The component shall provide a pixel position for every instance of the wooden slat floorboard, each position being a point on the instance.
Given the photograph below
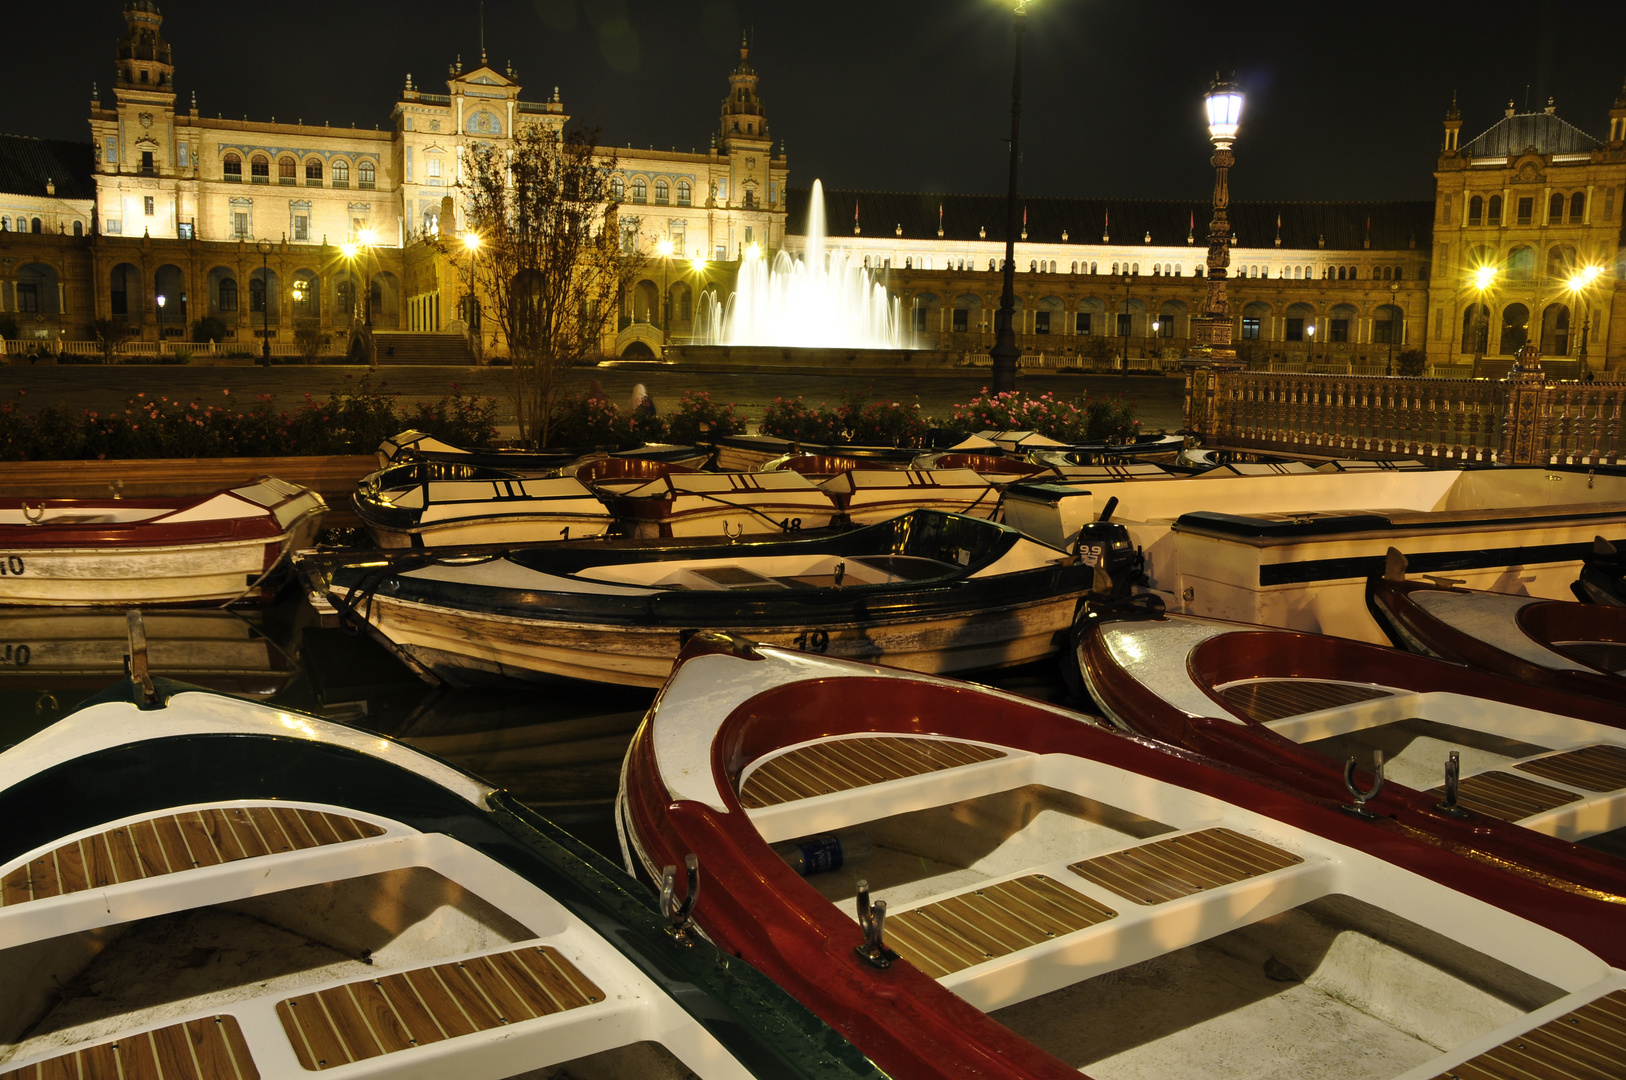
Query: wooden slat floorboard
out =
(1164, 870)
(372, 1017)
(961, 931)
(846, 764)
(1276, 699)
(1588, 1043)
(1507, 796)
(1591, 768)
(1603, 655)
(172, 843)
(208, 1049)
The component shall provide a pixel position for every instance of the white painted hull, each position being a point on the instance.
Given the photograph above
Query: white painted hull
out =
(461, 646)
(507, 529)
(179, 574)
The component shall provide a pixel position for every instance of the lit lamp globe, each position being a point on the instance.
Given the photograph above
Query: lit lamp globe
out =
(1224, 102)
(665, 249)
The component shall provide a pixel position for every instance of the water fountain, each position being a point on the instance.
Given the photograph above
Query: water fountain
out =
(822, 299)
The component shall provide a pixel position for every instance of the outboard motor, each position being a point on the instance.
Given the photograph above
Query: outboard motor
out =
(1106, 546)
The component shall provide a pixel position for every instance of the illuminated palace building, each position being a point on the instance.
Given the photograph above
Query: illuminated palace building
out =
(250, 222)
(169, 203)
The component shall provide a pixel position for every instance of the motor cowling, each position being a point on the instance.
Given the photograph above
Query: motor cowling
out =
(1106, 545)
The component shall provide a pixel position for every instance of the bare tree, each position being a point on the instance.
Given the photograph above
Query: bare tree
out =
(111, 333)
(553, 260)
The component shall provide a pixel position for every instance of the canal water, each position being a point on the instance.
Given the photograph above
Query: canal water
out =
(557, 746)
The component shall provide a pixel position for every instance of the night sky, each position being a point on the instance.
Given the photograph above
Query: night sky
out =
(1345, 100)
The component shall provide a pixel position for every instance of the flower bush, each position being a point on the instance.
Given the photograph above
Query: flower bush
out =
(589, 422)
(1112, 420)
(881, 423)
(794, 419)
(699, 419)
(1050, 416)
(352, 421)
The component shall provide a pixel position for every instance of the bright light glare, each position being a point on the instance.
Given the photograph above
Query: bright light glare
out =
(1584, 277)
(665, 248)
(471, 241)
(753, 252)
(349, 250)
(161, 299)
(1224, 103)
(1483, 276)
(365, 236)
(699, 264)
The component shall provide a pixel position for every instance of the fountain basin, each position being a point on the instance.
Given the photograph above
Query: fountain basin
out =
(802, 360)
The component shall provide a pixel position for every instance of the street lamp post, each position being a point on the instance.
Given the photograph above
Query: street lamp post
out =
(1394, 309)
(1123, 326)
(1484, 278)
(1578, 286)
(1224, 106)
(665, 248)
(1005, 353)
(161, 299)
(265, 303)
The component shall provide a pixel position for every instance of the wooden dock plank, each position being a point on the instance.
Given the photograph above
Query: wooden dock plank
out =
(847, 764)
(172, 843)
(1163, 870)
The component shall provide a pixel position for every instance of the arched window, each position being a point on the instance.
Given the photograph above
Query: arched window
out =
(365, 174)
(34, 226)
(1157, 270)
(341, 173)
(232, 167)
(1032, 266)
(260, 168)
(1135, 269)
(1521, 264)
(1114, 269)
(313, 169)
(640, 190)
(1577, 207)
(1475, 328)
(1343, 273)
(1515, 329)
(685, 193)
(990, 263)
(1493, 211)
(1093, 269)
(228, 294)
(1074, 269)
(663, 193)
(1560, 261)
(1386, 272)
(1476, 211)
(1555, 208)
(287, 169)
(618, 188)
(1400, 272)
(79, 228)
(256, 294)
(1177, 270)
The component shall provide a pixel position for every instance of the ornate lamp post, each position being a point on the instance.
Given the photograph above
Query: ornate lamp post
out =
(1224, 105)
(1394, 325)
(265, 303)
(1484, 278)
(1005, 354)
(665, 249)
(362, 247)
(161, 299)
(1123, 324)
(1578, 285)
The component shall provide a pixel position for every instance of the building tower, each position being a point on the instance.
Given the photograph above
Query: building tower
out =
(135, 143)
(743, 138)
(1617, 121)
(1453, 127)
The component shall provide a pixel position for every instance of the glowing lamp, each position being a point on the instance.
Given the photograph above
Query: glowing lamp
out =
(665, 248)
(471, 241)
(349, 249)
(699, 264)
(365, 236)
(753, 252)
(1483, 277)
(1224, 102)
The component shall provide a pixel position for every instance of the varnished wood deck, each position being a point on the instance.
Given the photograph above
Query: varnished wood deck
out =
(1165, 870)
(845, 764)
(172, 843)
(946, 936)
(211, 1049)
(1507, 796)
(1591, 768)
(1604, 655)
(1587, 1044)
(1277, 699)
(372, 1017)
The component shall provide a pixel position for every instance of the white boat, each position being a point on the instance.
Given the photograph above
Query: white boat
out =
(418, 504)
(1295, 550)
(194, 887)
(721, 504)
(927, 591)
(867, 496)
(215, 547)
(997, 888)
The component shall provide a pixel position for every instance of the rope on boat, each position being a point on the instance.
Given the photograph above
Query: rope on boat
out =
(621, 819)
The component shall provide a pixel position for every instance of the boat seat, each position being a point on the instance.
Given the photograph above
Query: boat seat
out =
(1507, 796)
(1164, 870)
(372, 1017)
(962, 931)
(1264, 700)
(172, 843)
(211, 1048)
(1591, 768)
(1587, 1043)
(845, 764)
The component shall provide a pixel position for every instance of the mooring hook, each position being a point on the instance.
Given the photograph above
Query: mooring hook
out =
(1363, 797)
(1453, 772)
(34, 515)
(137, 660)
(680, 915)
(840, 572)
(733, 537)
(871, 920)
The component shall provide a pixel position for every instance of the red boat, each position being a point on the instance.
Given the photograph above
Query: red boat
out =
(218, 546)
(1468, 756)
(997, 888)
(1559, 644)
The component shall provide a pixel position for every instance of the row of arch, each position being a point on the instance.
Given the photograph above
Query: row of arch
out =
(1488, 211)
(231, 167)
(308, 294)
(663, 191)
(1512, 329)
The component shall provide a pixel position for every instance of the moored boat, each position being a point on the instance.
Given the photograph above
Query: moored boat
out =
(416, 504)
(1061, 899)
(1578, 648)
(85, 552)
(676, 504)
(237, 891)
(1602, 579)
(867, 496)
(412, 445)
(1458, 751)
(928, 591)
(1295, 551)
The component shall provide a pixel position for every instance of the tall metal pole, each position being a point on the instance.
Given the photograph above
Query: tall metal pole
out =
(1005, 354)
(1224, 108)
(265, 304)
